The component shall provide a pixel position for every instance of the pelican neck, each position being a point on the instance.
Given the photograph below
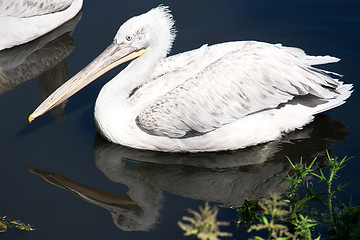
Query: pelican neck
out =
(137, 73)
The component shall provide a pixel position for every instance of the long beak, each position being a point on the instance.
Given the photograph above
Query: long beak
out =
(114, 55)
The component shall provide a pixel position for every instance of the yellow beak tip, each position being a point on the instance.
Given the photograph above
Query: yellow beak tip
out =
(31, 118)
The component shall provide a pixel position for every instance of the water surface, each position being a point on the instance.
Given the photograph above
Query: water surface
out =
(98, 190)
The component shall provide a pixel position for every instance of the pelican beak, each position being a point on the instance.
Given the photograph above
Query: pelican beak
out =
(114, 55)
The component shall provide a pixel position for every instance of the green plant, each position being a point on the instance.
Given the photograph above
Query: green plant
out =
(5, 224)
(274, 212)
(301, 171)
(204, 224)
(302, 227)
(249, 212)
(335, 166)
(290, 218)
(344, 224)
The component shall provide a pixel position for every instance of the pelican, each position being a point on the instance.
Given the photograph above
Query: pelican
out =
(221, 97)
(22, 21)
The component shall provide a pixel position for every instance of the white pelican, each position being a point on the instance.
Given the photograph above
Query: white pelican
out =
(221, 97)
(24, 20)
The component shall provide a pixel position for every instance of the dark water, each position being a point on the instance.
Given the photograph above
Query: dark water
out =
(104, 191)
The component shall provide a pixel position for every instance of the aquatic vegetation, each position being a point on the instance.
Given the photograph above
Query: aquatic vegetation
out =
(335, 166)
(204, 224)
(5, 224)
(249, 212)
(301, 171)
(344, 223)
(302, 225)
(273, 213)
(291, 224)
(290, 216)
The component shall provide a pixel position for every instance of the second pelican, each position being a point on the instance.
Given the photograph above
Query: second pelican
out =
(220, 97)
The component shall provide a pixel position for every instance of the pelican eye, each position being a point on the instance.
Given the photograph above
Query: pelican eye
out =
(128, 38)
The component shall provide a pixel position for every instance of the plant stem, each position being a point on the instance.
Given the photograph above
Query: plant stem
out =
(332, 175)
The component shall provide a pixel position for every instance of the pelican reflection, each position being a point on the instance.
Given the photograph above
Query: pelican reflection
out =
(226, 178)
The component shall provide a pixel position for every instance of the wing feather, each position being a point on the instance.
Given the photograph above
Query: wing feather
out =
(31, 8)
(248, 77)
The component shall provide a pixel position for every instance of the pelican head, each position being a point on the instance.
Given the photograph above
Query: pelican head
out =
(151, 32)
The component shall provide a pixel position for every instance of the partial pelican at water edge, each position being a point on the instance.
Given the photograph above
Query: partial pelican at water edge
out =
(22, 21)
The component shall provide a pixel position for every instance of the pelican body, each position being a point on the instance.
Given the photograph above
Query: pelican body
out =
(220, 97)
(24, 20)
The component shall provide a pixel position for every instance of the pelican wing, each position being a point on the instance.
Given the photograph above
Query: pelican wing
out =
(185, 64)
(30, 8)
(248, 77)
